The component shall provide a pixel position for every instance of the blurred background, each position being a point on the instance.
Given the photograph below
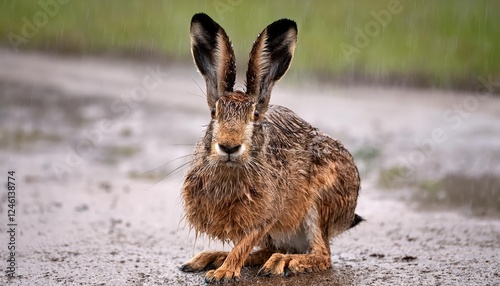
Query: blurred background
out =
(438, 44)
(101, 105)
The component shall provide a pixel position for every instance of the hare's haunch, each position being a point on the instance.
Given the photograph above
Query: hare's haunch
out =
(261, 175)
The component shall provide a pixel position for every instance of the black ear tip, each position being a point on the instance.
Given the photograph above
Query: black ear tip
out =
(284, 24)
(290, 23)
(201, 17)
(281, 26)
(206, 22)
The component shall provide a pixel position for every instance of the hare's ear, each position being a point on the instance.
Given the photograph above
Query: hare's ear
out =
(213, 55)
(270, 58)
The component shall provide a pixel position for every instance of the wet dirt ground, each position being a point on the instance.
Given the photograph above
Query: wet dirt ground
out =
(99, 146)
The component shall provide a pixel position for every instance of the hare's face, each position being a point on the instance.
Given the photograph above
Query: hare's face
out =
(234, 116)
(236, 133)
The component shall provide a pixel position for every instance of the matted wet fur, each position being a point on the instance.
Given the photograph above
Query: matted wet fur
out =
(262, 176)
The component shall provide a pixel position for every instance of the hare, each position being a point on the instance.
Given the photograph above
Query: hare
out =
(262, 176)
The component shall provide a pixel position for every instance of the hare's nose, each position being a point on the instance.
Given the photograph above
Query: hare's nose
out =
(229, 149)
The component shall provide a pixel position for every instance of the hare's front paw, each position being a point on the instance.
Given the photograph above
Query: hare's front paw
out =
(222, 276)
(204, 261)
(292, 264)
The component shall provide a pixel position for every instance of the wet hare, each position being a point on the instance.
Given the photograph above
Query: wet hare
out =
(262, 176)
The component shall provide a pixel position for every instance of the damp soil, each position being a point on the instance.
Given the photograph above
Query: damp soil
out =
(98, 177)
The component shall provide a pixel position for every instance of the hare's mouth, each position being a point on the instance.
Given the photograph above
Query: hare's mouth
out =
(230, 160)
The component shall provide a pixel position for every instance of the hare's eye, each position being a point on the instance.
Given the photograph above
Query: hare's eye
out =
(213, 113)
(255, 115)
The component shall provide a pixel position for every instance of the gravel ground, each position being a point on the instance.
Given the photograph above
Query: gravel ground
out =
(99, 165)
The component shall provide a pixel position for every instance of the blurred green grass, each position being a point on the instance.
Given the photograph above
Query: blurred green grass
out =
(431, 43)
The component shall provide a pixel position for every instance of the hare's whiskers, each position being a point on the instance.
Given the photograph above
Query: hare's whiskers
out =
(174, 171)
(164, 164)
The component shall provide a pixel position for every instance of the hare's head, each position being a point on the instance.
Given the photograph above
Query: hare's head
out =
(235, 131)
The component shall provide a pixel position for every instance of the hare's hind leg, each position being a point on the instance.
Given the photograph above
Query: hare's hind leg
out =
(204, 261)
(288, 264)
(292, 264)
(317, 258)
(259, 257)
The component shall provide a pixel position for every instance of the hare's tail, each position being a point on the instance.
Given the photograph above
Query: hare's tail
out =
(356, 221)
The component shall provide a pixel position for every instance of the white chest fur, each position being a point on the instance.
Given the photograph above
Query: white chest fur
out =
(300, 240)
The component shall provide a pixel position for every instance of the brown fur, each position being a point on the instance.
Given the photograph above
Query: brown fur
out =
(288, 188)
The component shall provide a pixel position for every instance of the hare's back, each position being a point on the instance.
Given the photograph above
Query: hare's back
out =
(285, 121)
(288, 130)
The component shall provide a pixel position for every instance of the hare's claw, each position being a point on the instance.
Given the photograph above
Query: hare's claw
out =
(293, 264)
(221, 276)
(186, 267)
(275, 265)
(204, 261)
